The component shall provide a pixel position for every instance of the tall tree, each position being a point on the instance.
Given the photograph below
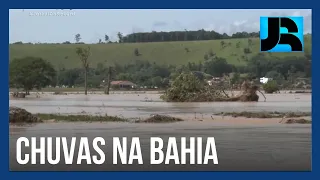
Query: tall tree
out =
(77, 37)
(120, 36)
(84, 54)
(60, 70)
(31, 72)
(186, 35)
(108, 83)
(217, 66)
(106, 38)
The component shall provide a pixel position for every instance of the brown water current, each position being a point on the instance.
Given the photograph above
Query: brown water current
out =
(239, 147)
(141, 105)
(242, 144)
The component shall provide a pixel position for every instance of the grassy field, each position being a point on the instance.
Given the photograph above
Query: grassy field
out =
(161, 52)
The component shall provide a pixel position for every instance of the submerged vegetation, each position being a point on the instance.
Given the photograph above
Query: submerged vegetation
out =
(271, 87)
(265, 114)
(90, 118)
(159, 119)
(84, 118)
(297, 121)
(187, 87)
(21, 116)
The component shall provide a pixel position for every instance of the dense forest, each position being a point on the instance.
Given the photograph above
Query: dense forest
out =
(181, 36)
(155, 36)
(144, 73)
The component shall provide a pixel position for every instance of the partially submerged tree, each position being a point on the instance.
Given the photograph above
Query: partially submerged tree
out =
(184, 88)
(31, 72)
(84, 54)
(187, 87)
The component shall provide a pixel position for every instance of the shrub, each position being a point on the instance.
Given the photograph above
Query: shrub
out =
(136, 52)
(211, 53)
(247, 50)
(271, 87)
(206, 57)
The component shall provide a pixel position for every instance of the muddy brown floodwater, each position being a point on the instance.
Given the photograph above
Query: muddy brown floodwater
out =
(140, 105)
(239, 147)
(242, 144)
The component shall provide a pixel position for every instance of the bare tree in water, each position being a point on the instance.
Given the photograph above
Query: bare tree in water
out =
(108, 83)
(84, 54)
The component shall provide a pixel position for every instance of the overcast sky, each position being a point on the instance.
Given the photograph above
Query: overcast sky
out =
(45, 26)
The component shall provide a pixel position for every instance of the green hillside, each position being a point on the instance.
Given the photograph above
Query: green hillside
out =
(160, 52)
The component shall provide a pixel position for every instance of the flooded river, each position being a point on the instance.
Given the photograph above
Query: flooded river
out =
(140, 105)
(250, 146)
(239, 147)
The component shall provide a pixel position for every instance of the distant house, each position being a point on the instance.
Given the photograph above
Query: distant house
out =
(123, 84)
(214, 80)
(264, 80)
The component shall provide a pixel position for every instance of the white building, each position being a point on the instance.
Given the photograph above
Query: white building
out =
(264, 80)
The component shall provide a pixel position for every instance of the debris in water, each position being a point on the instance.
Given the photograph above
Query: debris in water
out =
(18, 95)
(156, 118)
(297, 121)
(188, 88)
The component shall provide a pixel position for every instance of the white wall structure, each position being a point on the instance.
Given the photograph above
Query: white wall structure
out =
(264, 80)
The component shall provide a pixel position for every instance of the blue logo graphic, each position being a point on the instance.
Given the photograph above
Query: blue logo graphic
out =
(281, 34)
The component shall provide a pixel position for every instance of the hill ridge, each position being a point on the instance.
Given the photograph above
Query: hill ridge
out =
(236, 51)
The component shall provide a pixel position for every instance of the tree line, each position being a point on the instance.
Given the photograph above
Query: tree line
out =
(145, 73)
(186, 35)
(155, 36)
